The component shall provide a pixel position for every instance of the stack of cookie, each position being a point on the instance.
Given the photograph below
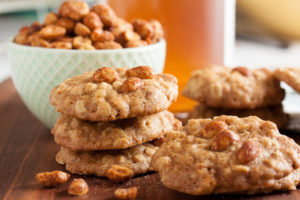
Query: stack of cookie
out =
(236, 91)
(113, 117)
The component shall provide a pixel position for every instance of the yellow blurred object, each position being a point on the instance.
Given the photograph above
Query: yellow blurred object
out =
(281, 17)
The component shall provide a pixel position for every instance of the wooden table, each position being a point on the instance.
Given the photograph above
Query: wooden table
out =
(27, 147)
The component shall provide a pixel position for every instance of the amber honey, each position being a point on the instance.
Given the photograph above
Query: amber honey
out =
(193, 30)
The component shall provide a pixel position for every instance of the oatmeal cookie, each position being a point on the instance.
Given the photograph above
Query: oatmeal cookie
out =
(289, 75)
(109, 94)
(78, 134)
(228, 155)
(136, 158)
(238, 88)
(271, 113)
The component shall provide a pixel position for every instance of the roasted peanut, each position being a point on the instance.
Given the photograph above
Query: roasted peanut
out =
(158, 31)
(35, 26)
(144, 28)
(21, 38)
(74, 10)
(120, 26)
(107, 45)
(137, 43)
(39, 42)
(126, 193)
(224, 139)
(33, 36)
(99, 35)
(80, 41)
(66, 23)
(50, 19)
(51, 179)
(158, 141)
(86, 47)
(248, 152)
(81, 29)
(127, 36)
(77, 187)
(106, 14)
(213, 128)
(93, 21)
(119, 174)
(61, 45)
(132, 84)
(242, 70)
(52, 32)
(142, 72)
(105, 74)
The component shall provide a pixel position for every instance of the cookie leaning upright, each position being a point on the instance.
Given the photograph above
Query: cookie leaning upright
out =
(235, 88)
(290, 76)
(228, 155)
(109, 94)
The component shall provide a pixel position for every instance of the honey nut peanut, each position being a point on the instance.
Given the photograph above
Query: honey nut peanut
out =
(50, 19)
(81, 29)
(33, 36)
(213, 128)
(158, 31)
(52, 32)
(35, 26)
(106, 14)
(248, 152)
(105, 74)
(107, 45)
(127, 36)
(61, 45)
(65, 39)
(223, 140)
(137, 43)
(119, 174)
(21, 38)
(142, 27)
(80, 41)
(242, 70)
(132, 84)
(93, 21)
(66, 23)
(126, 193)
(51, 179)
(142, 72)
(74, 10)
(99, 35)
(120, 26)
(77, 187)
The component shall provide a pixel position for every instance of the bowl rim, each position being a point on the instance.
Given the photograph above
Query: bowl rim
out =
(162, 42)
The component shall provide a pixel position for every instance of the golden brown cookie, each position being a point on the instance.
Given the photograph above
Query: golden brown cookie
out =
(78, 134)
(228, 155)
(290, 76)
(271, 113)
(136, 158)
(109, 94)
(237, 88)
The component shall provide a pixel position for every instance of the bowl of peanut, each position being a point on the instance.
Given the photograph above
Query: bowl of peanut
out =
(74, 40)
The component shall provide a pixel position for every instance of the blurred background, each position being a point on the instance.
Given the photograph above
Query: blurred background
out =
(252, 33)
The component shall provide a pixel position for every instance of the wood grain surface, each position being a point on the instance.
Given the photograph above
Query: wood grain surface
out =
(27, 147)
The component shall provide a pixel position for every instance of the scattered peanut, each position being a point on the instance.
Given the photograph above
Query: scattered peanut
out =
(126, 193)
(248, 152)
(213, 128)
(223, 140)
(51, 179)
(78, 187)
(132, 84)
(242, 70)
(105, 74)
(142, 72)
(119, 174)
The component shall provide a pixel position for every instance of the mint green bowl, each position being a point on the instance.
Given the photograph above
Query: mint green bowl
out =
(35, 71)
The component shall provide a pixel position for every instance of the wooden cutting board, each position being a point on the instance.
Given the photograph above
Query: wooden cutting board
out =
(27, 147)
